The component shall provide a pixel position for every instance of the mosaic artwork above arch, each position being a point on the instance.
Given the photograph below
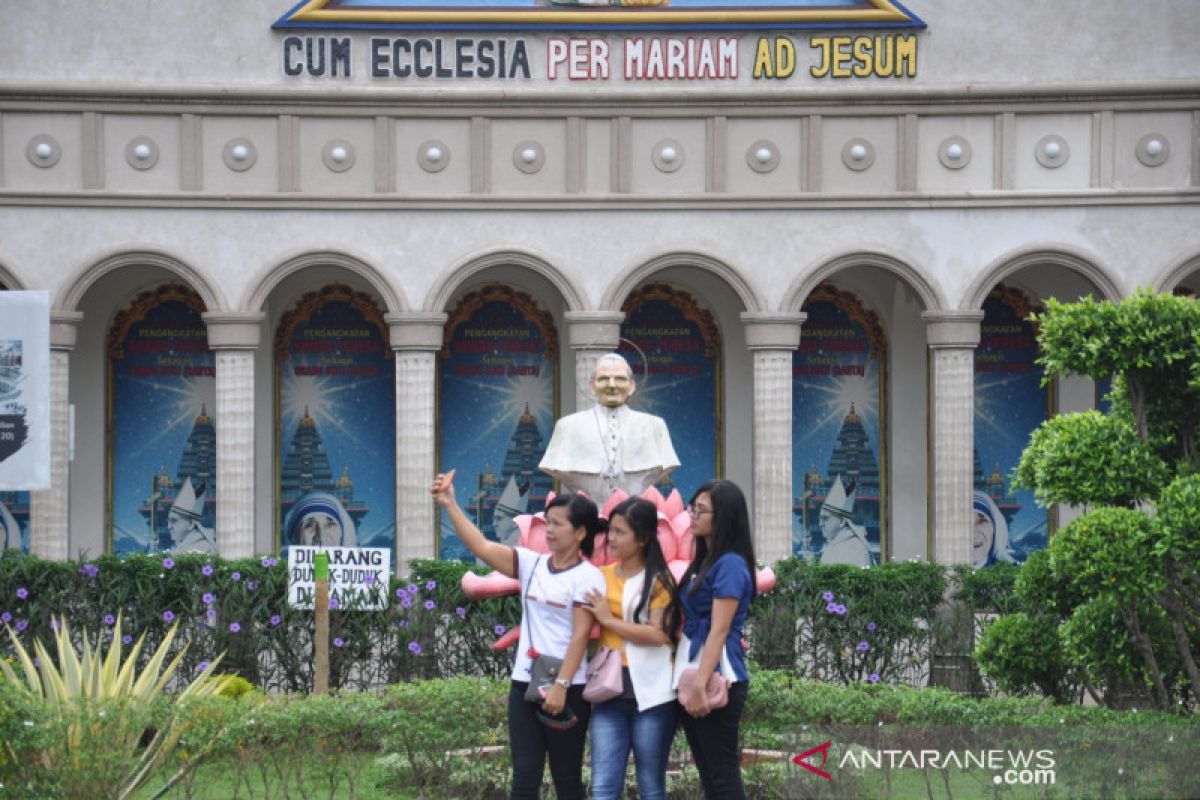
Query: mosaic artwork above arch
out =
(335, 422)
(162, 452)
(497, 402)
(673, 345)
(839, 478)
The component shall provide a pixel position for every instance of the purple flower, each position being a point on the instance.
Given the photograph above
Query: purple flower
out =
(168, 615)
(55, 624)
(203, 665)
(405, 602)
(863, 647)
(400, 592)
(429, 587)
(252, 585)
(871, 627)
(275, 619)
(827, 597)
(462, 612)
(430, 605)
(206, 570)
(109, 620)
(127, 639)
(873, 677)
(37, 663)
(831, 608)
(208, 597)
(22, 593)
(403, 623)
(333, 602)
(368, 579)
(235, 627)
(840, 610)
(6, 617)
(414, 648)
(22, 624)
(168, 563)
(269, 561)
(338, 641)
(211, 614)
(413, 589)
(235, 576)
(500, 630)
(89, 569)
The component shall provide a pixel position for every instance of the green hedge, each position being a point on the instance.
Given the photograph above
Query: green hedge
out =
(834, 623)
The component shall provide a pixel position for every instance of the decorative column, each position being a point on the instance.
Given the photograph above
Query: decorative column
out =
(50, 518)
(235, 337)
(416, 338)
(952, 337)
(772, 338)
(591, 334)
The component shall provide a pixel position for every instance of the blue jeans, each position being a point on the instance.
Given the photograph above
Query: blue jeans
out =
(616, 726)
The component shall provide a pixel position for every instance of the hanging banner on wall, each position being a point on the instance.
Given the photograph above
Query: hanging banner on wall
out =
(336, 423)
(162, 450)
(674, 348)
(1010, 402)
(24, 390)
(496, 408)
(837, 438)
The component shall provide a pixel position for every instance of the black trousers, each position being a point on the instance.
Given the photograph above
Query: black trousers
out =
(531, 742)
(715, 746)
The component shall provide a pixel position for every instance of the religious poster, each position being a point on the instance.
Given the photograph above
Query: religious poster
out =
(336, 423)
(838, 484)
(14, 521)
(496, 410)
(1010, 403)
(24, 390)
(674, 349)
(163, 456)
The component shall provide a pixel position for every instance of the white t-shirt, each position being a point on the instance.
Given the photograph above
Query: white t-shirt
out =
(549, 607)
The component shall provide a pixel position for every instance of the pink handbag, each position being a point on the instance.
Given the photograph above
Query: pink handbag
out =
(604, 676)
(717, 689)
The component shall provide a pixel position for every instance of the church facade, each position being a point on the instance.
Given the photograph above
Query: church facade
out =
(328, 248)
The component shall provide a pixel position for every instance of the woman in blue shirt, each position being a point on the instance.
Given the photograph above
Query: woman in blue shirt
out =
(714, 596)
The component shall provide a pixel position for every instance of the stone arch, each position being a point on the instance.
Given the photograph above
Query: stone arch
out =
(445, 287)
(633, 276)
(1008, 264)
(393, 298)
(1170, 279)
(75, 289)
(8, 278)
(930, 293)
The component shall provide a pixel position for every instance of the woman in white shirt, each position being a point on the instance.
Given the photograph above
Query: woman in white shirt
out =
(633, 611)
(555, 621)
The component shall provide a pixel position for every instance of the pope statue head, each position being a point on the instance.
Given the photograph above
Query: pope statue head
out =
(612, 381)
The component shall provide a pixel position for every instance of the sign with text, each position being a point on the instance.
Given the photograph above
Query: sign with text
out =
(359, 577)
(24, 390)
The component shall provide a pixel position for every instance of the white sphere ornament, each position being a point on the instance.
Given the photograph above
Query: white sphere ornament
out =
(669, 154)
(763, 154)
(1153, 150)
(858, 152)
(43, 150)
(338, 154)
(954, 152)
(529, 155)
(240, 152)
(142, 151)
(1053, 149)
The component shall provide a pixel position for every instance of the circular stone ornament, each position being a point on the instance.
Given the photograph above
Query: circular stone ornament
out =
(433, 155)
(1153, 149)
(43, 151)
(338, 155)
(529, 157)
(762, 156)
(954, 152)
(1052, 151)
(858, 154)
(668, 155)
(141, 153)
(239, 155)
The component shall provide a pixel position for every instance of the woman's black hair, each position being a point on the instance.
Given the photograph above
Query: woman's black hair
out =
(581, 513)
(730, 532)
(642, 516)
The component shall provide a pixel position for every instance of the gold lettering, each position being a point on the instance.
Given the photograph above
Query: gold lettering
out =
(762, 61)
(863, 62)
(906, 56)
(821, 43)
(841, 56)
(785, 57)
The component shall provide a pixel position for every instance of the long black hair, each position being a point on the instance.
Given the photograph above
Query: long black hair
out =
(642, 516)
(581, 513)
(730, 532)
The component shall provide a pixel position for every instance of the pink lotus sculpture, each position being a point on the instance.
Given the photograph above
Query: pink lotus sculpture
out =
(674, 537)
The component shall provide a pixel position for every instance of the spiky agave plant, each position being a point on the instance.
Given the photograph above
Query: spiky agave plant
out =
(83, 680)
